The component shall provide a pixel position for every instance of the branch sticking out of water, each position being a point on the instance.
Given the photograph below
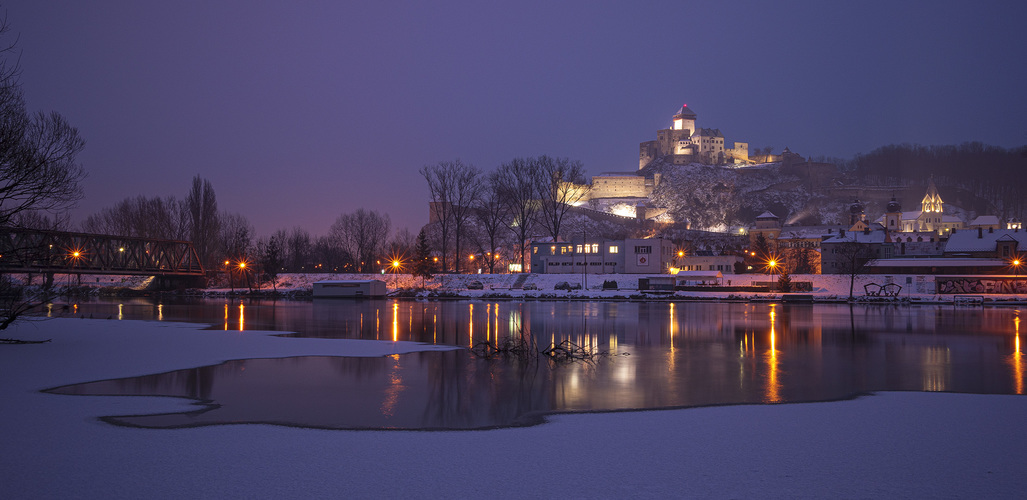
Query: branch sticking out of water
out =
(526, 350)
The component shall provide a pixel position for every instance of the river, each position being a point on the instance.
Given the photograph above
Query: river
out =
(644, 355)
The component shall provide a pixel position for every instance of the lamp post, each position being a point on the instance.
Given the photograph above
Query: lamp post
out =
(242, 269)
(395, 268)
(228, 271)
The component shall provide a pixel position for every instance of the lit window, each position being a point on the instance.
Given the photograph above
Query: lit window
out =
(595, 248)
(614, 249)
(552, 250)
(579, 249)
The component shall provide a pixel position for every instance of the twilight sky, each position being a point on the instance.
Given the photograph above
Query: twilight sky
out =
(300, 111)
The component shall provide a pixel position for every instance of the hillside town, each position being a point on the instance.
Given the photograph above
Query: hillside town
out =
(619, 226)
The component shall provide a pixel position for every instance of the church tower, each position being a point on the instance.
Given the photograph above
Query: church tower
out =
(893, 216)
(932, 200)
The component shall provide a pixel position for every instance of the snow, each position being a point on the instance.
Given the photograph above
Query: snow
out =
(887, 445)
(826, 287)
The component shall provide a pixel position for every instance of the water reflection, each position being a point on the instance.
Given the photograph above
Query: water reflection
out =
(662, 355)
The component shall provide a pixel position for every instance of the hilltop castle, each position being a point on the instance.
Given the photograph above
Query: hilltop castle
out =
(683, 143)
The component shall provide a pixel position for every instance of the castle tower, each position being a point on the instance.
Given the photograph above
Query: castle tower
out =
(932, 200)
(893, 216)
(684, 120)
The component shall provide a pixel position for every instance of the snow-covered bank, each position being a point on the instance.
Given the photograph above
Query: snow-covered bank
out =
(826, 287)
(889, 445)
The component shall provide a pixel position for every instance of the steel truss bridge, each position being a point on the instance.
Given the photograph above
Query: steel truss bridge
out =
(37, 251)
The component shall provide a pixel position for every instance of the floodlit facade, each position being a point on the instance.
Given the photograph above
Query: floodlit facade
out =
(601, 256)
(684, 143)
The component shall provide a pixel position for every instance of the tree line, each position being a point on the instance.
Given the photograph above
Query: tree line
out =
(992, 173)
(504, 208)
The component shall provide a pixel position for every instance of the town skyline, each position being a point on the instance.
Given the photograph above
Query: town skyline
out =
(299, 114)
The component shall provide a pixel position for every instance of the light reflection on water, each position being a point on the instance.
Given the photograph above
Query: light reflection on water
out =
(660, 355)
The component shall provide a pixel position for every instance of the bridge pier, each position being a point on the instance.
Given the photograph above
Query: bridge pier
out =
(168, 283)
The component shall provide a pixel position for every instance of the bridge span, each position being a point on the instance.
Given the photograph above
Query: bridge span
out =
(39, 251)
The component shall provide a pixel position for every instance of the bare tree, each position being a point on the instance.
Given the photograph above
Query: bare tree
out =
(141, 217)
(453, 186)
(761, 155)
(519, 195)
(402, 244)
(492, 215)
(298, 249)
(235, 239)
(202, 206)
(327, 255)
(363, 234)
(59, 221)
(559, 184)
(270, 255)
(38, 170)
(853, 257)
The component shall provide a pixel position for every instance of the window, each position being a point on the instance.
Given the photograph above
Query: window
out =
(579, 249)
(614, 249)
(552, 250)
(643, 249)
(534, 250)
(595, 248)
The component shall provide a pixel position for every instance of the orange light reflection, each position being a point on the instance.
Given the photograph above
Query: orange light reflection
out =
(773, 394)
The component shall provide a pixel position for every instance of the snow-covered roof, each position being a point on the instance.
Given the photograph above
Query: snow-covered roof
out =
(699, 274)
(973, 240)
(985, 220)
(858, 237)
(808, 232)
(767, 215)
(938, 262)
(616, 174)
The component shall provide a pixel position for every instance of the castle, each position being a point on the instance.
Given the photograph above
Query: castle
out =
(683, 143)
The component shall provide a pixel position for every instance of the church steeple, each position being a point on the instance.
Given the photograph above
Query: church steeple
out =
(932, 200)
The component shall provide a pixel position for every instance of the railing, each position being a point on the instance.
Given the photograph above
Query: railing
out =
(37, 251)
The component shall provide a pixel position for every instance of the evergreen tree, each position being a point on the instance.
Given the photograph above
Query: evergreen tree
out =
(422, 262)
(784, 283)
(271, 260)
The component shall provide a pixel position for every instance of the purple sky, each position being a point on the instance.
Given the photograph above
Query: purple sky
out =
(300, 111)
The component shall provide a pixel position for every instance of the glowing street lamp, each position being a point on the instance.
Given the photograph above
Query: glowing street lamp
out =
(1016, 263)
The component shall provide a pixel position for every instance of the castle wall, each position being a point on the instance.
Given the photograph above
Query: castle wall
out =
(619, 186)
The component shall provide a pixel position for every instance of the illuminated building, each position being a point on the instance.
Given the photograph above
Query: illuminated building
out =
(684, 143)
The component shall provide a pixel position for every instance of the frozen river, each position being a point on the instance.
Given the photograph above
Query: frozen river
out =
(653, 355)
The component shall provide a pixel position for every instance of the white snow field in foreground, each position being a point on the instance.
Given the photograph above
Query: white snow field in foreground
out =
(888, 445)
